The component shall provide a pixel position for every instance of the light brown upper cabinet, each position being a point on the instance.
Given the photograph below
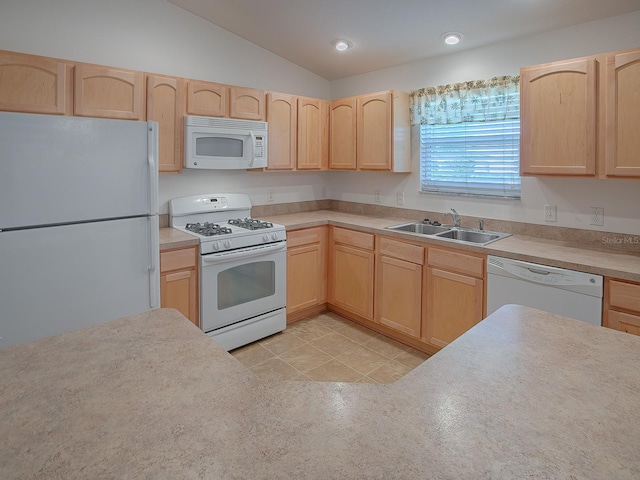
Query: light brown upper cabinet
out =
(313, 134)
(580, 117)
(33, 84)
(282, 117)
(207, 99)
(623, 114)
(166, 105)
(108, 92)
(298, 132)
(342, 134)
(370, 132)
(247, 103)
(558, 118)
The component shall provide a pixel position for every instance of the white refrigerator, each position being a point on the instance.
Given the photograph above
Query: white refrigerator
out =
(78, 223)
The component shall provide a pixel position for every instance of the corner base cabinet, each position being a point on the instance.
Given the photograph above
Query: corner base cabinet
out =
(351, 271)
(306, 271)
(179, 281)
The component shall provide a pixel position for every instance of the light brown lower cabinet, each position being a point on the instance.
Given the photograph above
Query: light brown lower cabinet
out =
(399, 280)
(179, 281)
(454, 294)
(351, 271)
(306, 271)
(622, 305)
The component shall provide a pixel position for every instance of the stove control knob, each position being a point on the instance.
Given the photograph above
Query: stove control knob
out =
(227, 244)
(216, 245)
(265, 237)
(274, 236)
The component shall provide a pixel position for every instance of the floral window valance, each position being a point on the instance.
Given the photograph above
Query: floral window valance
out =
(475, 101)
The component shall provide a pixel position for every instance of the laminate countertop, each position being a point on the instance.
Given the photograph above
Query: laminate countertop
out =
(524, 394)
(624, 264)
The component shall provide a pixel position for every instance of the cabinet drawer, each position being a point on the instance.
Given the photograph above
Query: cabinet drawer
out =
(177, 259)
(403, 251)
(624, 295)
(304, 237)
(353, 238)
(458, 262)
(624, 322)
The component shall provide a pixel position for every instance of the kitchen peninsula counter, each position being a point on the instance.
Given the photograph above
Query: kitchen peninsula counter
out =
(524, 394)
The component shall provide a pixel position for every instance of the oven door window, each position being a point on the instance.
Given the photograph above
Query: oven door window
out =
(246, 283)
(212, 146)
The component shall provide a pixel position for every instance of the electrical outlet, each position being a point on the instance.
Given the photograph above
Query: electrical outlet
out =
(400, 198)
(550, 213)
(325, 191)
(597, 216)
(377, 196)
(270, 196)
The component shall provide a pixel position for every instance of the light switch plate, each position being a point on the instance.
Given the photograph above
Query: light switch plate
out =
(400, 197)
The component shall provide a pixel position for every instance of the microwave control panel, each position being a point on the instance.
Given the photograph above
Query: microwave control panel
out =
(258, 147)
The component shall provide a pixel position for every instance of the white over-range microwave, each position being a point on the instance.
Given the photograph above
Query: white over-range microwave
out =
(224, 143)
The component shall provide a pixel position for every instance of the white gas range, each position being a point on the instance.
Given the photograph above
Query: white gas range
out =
(242, 267)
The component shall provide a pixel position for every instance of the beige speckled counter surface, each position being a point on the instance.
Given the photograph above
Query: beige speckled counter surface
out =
(524, 394)
(614, 263)
(172, 238)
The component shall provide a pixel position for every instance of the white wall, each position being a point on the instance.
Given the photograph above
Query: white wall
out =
(156, 36)
(573, 197)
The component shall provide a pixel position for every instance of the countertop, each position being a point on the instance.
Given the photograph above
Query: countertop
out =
(601, 261)
(523, 394)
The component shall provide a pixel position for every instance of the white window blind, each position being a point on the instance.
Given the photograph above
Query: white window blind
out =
(472, 158)
(469, 137)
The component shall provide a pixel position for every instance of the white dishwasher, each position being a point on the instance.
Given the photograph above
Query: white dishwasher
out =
(557, 290)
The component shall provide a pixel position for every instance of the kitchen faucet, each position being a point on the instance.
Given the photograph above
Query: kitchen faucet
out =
(455, 217)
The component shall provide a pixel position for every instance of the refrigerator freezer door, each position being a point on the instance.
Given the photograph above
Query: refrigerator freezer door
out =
(58, 279)
(72, 169)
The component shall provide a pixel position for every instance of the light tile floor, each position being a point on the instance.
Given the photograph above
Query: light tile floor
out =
(329, 348)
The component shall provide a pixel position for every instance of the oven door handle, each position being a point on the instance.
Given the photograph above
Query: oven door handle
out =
(244, 253)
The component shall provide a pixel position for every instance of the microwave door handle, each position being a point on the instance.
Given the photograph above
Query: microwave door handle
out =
(253, 149)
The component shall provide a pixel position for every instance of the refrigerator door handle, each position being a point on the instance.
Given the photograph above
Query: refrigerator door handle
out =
(154, 261)
(152, 158)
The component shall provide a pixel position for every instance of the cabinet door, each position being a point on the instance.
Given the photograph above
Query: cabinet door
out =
(374, 129)
(108, 92)
(399, 295)
(313, 120)
(165, 105)
(623, 114)
(282, 117)
(207, 99)
(454, 305)
(305, 273)
(342, 134)
(33, 84)
(179, 282)
(558, 118)
(178, 290)
(247, 103)
(352, 276)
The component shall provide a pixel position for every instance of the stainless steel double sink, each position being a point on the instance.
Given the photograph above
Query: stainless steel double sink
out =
(455, 234)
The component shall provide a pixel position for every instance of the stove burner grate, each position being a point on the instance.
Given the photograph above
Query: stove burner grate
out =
(207, 229)
(250, 223)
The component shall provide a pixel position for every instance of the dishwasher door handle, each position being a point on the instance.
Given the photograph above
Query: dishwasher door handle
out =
(539, 272)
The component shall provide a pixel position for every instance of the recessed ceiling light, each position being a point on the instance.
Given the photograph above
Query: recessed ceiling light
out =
(452, 38)
(342, 45)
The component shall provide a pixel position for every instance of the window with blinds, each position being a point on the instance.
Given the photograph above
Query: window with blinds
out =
(471, 158)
